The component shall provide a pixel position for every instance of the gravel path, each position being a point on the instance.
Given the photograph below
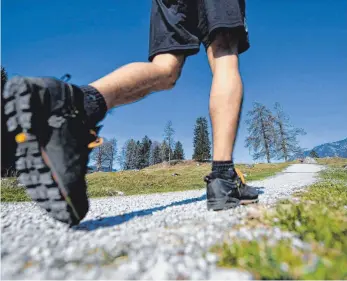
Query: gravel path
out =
(158, 236)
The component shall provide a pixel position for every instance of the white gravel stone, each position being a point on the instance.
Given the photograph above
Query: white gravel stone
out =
(153, 236)
(230, 274)
(211, 258)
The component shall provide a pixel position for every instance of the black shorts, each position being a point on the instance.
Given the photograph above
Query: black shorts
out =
(179, 26)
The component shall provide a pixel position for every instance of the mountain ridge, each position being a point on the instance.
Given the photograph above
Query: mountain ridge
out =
(330, 149)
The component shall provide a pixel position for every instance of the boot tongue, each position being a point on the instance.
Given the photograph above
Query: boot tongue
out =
(231, 173)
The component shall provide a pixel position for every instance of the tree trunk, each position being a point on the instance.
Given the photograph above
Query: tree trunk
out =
(267, 150)
(283, 142)
(111, 161)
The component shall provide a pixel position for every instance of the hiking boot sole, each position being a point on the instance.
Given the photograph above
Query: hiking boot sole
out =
(249, 201)
(222, 204)
(36, 170)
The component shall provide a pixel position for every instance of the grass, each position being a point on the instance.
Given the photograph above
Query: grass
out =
(10, 191)
(333, 162)
(318, 217)
(265, 261)
(159, 178)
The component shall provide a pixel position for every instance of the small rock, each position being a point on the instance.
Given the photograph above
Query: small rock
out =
(284, 267)
(298, 243)
(254, 213)
(189, 262)
(181, 268)
(202, 263)
(56, 274)
(229, 274)
(275, 220)
(211, 258)
(160, 271)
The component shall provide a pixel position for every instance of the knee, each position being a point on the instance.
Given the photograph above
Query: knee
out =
(171, 74)
(171, 70)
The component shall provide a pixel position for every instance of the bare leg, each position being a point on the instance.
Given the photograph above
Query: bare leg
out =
(136, 80)
(226, 95)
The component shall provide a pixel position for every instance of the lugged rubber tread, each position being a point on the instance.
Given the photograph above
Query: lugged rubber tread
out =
(34, 173)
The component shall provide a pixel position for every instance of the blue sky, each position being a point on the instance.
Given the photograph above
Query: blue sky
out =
(298, 57)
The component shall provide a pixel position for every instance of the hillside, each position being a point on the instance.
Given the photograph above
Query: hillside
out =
(331, 149)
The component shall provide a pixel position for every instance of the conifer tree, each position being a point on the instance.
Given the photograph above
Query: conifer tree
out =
(201, 142)
(178, 153)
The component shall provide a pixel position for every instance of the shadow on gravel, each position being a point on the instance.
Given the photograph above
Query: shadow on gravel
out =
(91, 225)
(260, 191)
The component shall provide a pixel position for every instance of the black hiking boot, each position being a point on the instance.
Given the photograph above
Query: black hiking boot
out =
(53, 142)
(228, 190)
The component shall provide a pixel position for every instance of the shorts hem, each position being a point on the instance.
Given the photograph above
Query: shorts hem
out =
(225, 25)
(187, 50)
(244, 43)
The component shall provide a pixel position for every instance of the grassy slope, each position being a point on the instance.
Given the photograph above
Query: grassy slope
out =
(318, 218)
(150, 180)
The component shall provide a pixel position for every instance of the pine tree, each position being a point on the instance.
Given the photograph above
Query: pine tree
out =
(111, 151)
(155, 157)
(131, 155)
(287, 144)
(178, 153)
(202, 144)
(168, 137)
(314, 154)
(260, 129)
(138, 155)
(164, 151)
(144, 150)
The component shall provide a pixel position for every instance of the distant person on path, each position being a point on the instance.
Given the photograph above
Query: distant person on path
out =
(55, 123)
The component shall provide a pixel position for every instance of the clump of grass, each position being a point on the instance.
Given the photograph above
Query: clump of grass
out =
(11, 192)
(266, 261)
(319, 219)
(314, 223)
(281, 261)
(331, 192)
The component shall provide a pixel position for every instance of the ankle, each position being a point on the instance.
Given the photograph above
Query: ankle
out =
(222, 166)
(94, 105)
